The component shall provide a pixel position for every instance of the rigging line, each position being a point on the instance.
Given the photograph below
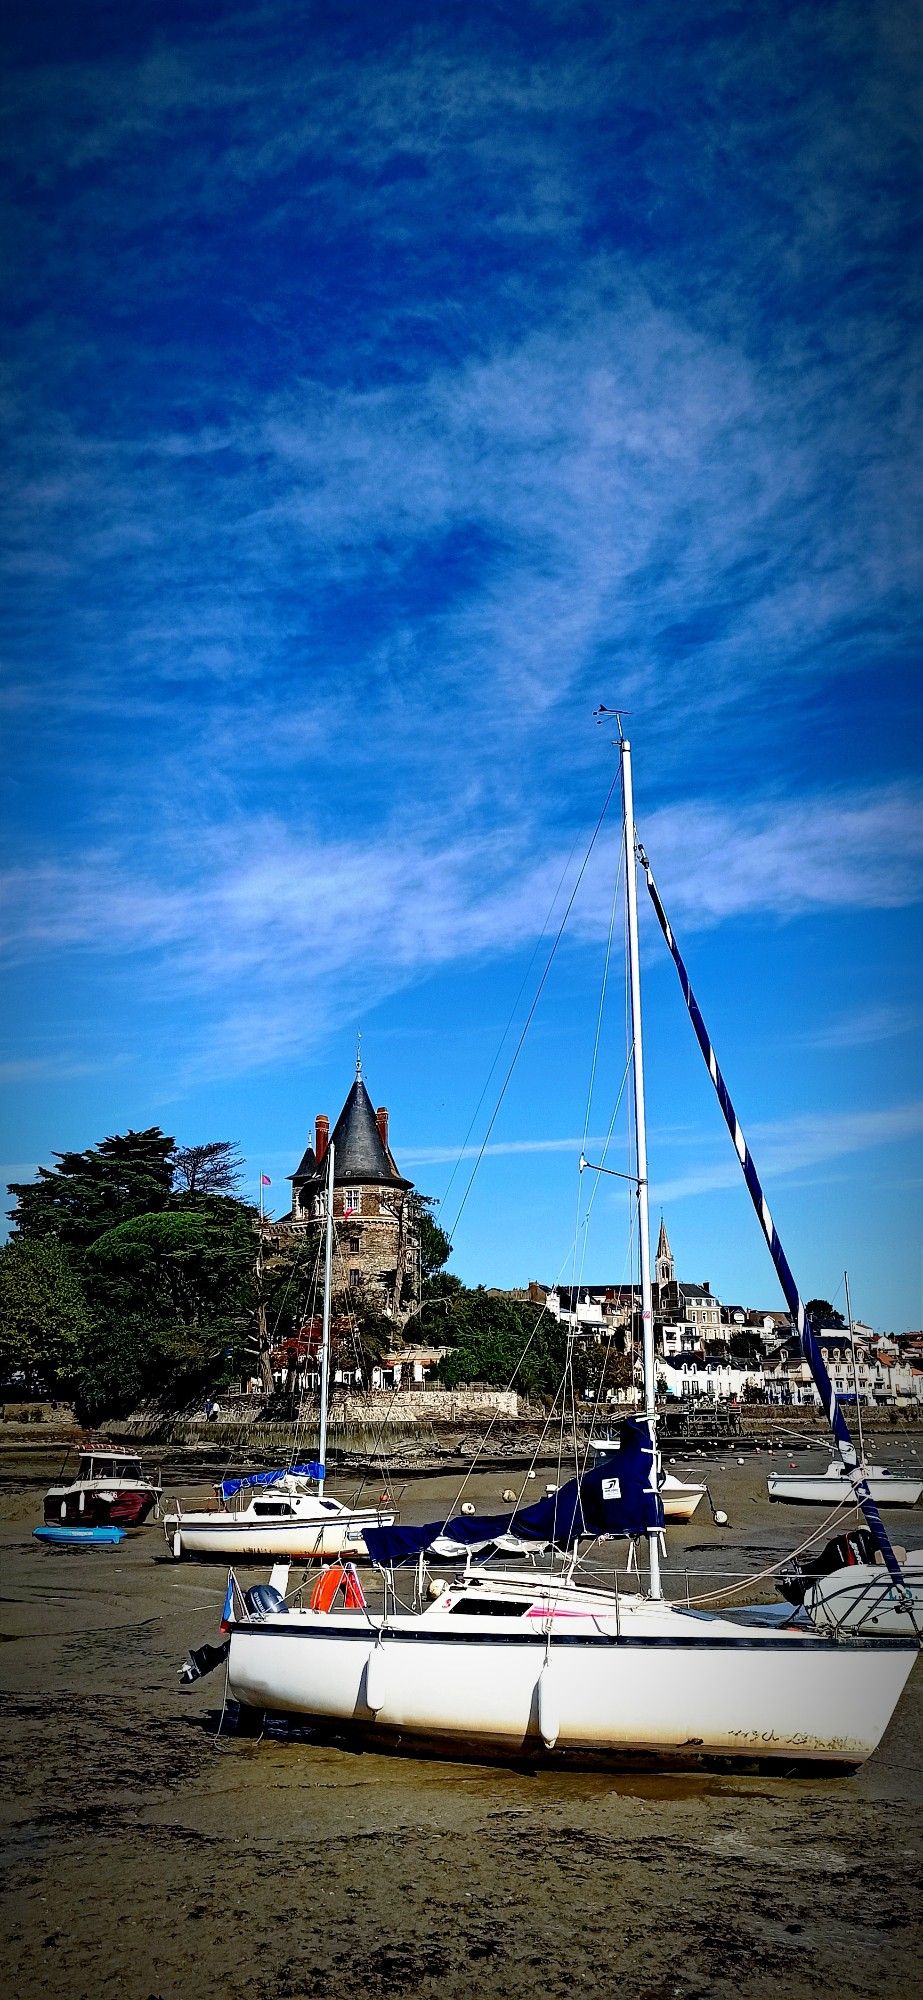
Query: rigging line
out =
(538, 994)
(510, 1019)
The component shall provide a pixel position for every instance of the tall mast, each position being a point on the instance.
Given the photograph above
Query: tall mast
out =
(325, 1336)
(644, 1243)
(855, 1371)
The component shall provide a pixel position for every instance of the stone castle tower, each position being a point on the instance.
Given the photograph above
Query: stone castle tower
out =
(376, 1210)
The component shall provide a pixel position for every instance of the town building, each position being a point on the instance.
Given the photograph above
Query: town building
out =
(376, 1210)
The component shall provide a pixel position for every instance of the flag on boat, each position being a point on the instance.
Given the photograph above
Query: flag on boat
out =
(234, 1606)
(617, 1497)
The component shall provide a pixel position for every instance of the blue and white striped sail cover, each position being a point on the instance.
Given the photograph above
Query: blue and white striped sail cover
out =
(229, 1487)
(618, 1497)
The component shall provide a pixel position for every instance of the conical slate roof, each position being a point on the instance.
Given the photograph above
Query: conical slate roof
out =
(359, 1154)
(307, 1169)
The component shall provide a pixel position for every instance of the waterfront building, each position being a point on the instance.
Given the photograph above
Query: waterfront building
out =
(376, 1208)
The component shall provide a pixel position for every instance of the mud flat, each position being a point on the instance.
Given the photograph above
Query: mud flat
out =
(148, 1858)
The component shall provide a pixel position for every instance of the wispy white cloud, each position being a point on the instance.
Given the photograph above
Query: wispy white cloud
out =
(276, 929)
(797, 1145)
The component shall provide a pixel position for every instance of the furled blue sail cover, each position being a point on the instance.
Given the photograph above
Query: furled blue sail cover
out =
(617, 1497)
(229, 1487)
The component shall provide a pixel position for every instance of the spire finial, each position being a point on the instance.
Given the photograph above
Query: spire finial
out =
(358, 1054)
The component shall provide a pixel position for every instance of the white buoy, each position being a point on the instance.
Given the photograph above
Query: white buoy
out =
(721, 1519)
(467, 1506)
(740, 1461)
(507, 1495)
(549, 1490)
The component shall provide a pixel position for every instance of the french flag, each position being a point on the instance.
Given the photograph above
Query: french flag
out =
(233, 1603)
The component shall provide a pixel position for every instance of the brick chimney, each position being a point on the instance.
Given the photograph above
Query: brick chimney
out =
(381, 1120)
(321, 1136)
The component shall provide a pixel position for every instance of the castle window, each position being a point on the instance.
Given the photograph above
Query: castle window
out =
(352, 1201)
(355, 1243)
(355, 1278)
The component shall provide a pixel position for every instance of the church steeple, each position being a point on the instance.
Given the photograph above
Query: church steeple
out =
(665, 1268)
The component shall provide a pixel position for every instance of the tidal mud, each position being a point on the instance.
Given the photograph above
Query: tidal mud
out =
(148, 1856)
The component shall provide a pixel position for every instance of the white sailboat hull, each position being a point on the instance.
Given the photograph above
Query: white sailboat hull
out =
(234, 1536)
(824, 1489)
(667, 1684)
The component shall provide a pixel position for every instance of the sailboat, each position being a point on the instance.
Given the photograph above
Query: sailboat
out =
(806, 1489)
(282, 1513)
(516, 1662)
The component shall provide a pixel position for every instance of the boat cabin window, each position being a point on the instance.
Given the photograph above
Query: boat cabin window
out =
(271, 1508)
(490, 1607)
(330, 1506)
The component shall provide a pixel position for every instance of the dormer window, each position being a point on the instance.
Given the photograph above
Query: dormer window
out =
(352, 1201)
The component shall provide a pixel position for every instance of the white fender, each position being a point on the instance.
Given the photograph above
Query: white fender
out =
(376, 1674)
(177, 1545)
(549, 1720)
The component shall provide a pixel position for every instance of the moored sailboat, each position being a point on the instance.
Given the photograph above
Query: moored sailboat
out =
(519, 1662)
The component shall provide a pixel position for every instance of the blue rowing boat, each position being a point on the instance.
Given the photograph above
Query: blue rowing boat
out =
(76, 1537)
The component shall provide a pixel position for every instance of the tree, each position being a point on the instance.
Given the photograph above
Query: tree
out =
(823, 1313)
(87, 1193)
(210, 1169)
(504, 1342)
(174, 1295)
(435, 1246)
(44, 1320)
(746, 1346)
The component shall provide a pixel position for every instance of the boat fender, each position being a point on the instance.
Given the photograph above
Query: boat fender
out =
(549, 1721)
(177, 1545)
(261, 1599)
(375, 1679)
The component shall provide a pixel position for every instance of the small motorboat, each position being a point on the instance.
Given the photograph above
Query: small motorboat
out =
(109, 1488)
(80, 1538)
(845, 1587)
(824, 1489)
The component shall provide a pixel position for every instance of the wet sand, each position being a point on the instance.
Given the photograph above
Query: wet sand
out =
(147, 1857)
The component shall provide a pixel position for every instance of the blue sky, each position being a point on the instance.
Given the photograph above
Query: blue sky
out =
(382, 391)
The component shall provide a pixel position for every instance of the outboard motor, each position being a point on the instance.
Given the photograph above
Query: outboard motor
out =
(262, 1598)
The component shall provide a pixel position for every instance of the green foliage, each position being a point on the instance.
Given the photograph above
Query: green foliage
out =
(213, 1168)
(165, 1257)
(43, 1315)
(173, 1297)
(89, 1192)
(746, 1346)
(435, 1247)
(823, 1313)
(502, 1342)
